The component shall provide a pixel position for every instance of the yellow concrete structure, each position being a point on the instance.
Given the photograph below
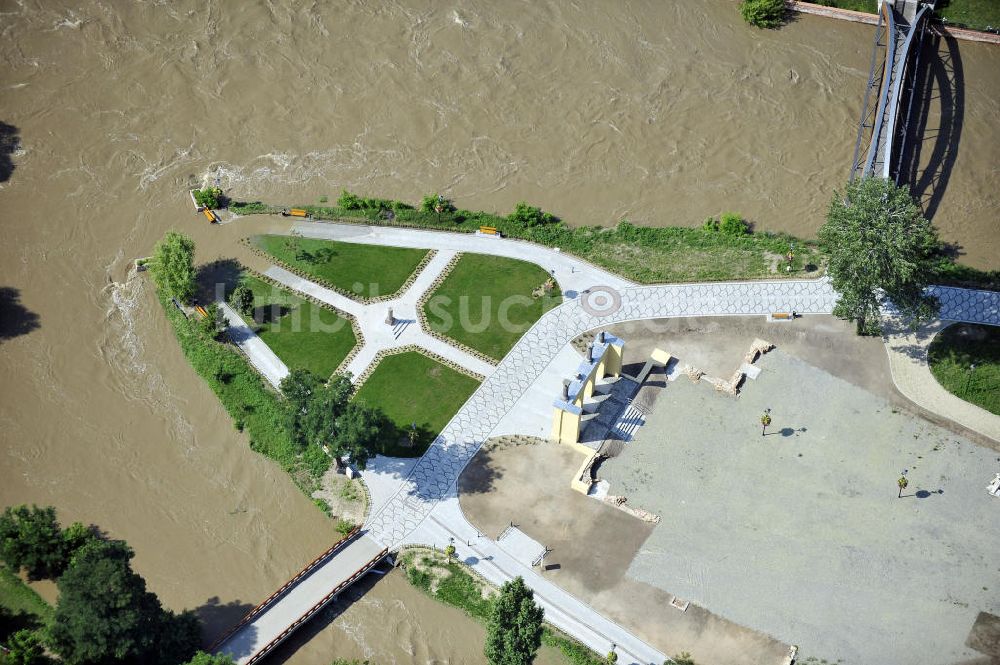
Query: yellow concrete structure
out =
(604, 358)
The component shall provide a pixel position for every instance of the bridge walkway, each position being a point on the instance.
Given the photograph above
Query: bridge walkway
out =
(271, 622)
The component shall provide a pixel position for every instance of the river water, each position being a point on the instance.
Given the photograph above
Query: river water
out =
(664, 112)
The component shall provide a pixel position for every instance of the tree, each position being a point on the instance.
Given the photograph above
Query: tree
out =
(765, 420)
(357, 431)
(763, 13)
(105, 614)
(173, 265)
(902, 482)
(879, 243)
(210, 197)
(202, 658)
(242, 300)
(449, 552)
(683, 658)
(30, 538)
(213, 323)
(24, 648)
(514, 628)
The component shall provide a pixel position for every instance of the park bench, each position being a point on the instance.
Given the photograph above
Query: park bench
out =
(201, 310)
(488, 231)
(783, 316)
(298, 212)
(210, 215)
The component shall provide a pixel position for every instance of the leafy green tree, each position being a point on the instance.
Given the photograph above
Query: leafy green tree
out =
(213, 323)
(763, 13)
(202, 658)
(30, 538)
(879, 244)
(209, 197)
(173, 265)
(242, 300)
(24, 648)
(299, 387)
(528, 216)
(357, 431)
(514, 628)
(106, 615)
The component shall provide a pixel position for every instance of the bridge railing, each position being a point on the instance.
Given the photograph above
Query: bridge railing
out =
(292, 627)
(311, 566)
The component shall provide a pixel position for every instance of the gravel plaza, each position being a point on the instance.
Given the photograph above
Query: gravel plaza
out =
(800, 534)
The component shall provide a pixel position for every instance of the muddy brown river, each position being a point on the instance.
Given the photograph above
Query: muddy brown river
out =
(662, 112)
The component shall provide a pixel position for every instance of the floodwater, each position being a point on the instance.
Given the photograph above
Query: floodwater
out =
(664, 112)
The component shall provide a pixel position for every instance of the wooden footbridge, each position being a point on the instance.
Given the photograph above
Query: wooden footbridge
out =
(273, 621)
(889, 97)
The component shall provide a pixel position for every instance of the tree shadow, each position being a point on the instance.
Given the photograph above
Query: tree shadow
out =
(218, 617)
(10, 142)
(15, 318)
(480, 476)
(216, 280)
(269, 313)
(939, 82)
(11, 622)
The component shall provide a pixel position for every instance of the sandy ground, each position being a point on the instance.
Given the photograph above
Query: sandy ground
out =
(800, 534)
(592, 546)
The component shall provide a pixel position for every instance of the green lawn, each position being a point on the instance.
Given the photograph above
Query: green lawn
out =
(366, 270)
(958, 347)
(412, 388)
(302, 334)
(486, 302)
(20, 606)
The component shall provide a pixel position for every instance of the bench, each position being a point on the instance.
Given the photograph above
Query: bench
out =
(210, 215)
(488, 230)
(201, 310)
(783, 316)
(298, 212)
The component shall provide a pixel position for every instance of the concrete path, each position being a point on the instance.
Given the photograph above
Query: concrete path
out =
(260, 633)
(912, 375)
(574, 275)
(260, 354)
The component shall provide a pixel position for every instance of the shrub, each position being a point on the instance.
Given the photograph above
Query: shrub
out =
(763, 13)
(214, 324)
(530, 216)
(731, 224)
(344, 527)
(210, 197)
(242, 300)
(436, 203)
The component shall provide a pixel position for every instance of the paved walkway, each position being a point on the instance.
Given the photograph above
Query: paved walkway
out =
(574, 275)
(260, 354)
(911, 373)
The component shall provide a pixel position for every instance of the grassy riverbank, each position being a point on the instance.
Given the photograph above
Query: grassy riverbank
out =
(21, 605)
(647, 255)
(972, 14)
(953, 353)
(643, 254)
(255, 408)
(454, 584)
